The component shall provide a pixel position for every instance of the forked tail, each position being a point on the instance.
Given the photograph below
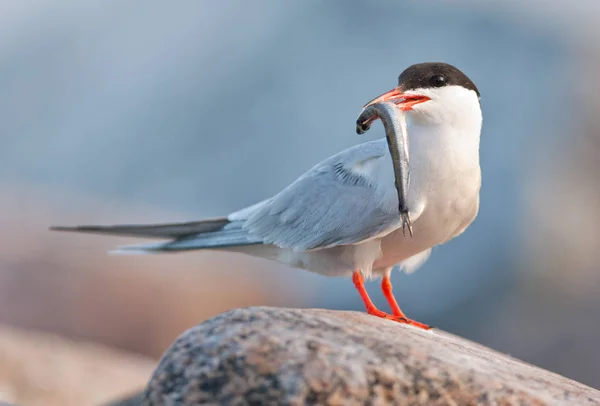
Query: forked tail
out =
(205, 234)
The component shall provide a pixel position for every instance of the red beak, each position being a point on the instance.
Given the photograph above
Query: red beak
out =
(404, 102)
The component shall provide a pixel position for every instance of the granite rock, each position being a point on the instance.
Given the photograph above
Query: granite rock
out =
(264, 356)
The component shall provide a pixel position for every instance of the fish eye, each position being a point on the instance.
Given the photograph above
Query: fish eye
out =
(437, 81)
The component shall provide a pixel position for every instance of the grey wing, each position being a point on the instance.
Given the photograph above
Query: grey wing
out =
(346, 199)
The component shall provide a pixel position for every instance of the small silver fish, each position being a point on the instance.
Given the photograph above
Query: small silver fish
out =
(396, 133)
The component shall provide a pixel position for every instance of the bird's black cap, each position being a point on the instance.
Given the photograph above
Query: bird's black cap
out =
(434, 74)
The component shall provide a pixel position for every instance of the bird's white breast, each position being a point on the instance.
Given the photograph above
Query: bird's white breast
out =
(445, 179)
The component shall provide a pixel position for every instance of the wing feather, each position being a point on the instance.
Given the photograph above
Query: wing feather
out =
(343, 200)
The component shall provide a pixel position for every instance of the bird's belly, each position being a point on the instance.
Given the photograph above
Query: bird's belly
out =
(447, 213)
(334, 261)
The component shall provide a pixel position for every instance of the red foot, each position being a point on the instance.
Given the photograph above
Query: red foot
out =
(398, 316)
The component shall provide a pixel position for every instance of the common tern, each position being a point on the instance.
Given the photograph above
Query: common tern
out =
(341, 217)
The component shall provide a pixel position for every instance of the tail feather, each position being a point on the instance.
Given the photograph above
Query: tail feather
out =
(172, 230)
(205, 234)
(211, 240)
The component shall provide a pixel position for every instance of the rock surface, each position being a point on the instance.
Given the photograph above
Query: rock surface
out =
(295, 357)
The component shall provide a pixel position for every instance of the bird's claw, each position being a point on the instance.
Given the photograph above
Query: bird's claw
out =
(411, 322)
(406, 223)
(398, 319)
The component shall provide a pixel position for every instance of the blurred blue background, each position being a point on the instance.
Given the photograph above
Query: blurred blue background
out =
(156, 112)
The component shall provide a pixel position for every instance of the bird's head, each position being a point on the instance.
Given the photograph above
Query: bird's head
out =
(434, 93)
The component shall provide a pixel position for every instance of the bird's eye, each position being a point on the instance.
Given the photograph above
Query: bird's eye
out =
(438, 81)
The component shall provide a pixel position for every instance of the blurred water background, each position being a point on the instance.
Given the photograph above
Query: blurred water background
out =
(146, 111)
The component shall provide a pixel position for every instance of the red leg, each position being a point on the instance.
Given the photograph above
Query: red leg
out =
(359, 282)
(386, 287)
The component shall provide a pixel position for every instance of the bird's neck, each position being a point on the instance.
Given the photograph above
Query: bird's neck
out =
(445, 149)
